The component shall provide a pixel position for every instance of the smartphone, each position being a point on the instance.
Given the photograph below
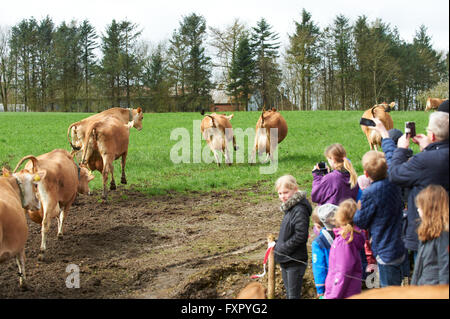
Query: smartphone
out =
(410, 128)
(366, 122)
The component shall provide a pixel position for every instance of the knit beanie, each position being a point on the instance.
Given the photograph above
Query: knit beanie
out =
(326, 213)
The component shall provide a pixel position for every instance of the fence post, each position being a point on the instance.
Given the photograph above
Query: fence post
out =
(271, 270)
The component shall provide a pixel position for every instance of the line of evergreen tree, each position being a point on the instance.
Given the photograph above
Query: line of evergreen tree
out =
(73, 67)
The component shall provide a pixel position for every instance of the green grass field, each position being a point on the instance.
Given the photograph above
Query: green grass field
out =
(149, 165)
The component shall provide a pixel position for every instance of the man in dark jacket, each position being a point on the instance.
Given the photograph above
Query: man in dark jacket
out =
(290, 249)
(430, 166)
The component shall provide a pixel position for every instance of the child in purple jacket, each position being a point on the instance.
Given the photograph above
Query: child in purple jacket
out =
(340, 184)
(345, 270)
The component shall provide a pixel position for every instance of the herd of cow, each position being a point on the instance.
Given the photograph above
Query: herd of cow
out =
(48, 184)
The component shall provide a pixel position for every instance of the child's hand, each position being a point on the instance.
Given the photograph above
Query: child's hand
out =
(371, 267)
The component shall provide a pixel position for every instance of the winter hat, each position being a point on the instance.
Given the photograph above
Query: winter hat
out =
(363, 182)
(395, 134)
(326, 213)
(443, 107)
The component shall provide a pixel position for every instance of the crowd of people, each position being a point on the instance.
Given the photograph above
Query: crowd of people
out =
(393, 214)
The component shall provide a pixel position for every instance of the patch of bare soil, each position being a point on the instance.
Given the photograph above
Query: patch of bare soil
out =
(196, 245)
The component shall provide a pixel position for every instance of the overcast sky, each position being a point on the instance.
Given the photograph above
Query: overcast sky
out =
(158, 18)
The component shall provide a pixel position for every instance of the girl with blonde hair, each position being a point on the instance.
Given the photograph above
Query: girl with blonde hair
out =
(290, 249)
(431, 267)
(339, 184)
(345, 268)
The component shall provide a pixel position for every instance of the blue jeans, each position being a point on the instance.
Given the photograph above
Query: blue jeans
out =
(292, 280)
(390, 275)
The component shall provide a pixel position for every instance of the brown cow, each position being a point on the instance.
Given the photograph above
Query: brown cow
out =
(106, 140)
(405, 292)
(433, 103)
(218, 132)
(17, 193)
(381, 112)
(78, 129)
(253, 290)
(58, 190)
(269, 122)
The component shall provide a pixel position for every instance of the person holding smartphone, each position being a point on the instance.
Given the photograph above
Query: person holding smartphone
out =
(429, 166)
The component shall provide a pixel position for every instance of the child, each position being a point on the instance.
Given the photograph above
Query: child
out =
(431, 267)
(321, 245)
(381, 214)
(317, 224)
(345, 269)
(368, 260)
(338, 185)
(290, 249)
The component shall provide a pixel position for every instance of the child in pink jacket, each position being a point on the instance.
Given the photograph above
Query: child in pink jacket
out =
(345, 270)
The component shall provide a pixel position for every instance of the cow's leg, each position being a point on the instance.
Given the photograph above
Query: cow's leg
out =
(20, 260)
(255, 148)
(107, 168)
(227, 155)
(123, 179)
(48, 209)
(217, 157)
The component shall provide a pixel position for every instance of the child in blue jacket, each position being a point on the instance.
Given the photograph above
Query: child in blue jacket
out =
(381, 214)
(321, 246)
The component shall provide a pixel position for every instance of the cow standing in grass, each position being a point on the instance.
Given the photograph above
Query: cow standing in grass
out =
(58, 189)
(218, 133)
(270, 122)
(433, 103)
(17, 193)
(106, 140)
(77, 131)
(381, 112)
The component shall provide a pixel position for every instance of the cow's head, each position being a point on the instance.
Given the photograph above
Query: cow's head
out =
(27, 183)
(138, 116)
(83, 182)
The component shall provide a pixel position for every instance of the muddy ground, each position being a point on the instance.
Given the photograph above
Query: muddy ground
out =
(192, 245)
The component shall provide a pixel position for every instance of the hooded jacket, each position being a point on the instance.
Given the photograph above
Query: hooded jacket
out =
(332, 188)
(345, 269)
(320, 251)
(431, 267)
(427, 167)
(381, 214)
(293, 235)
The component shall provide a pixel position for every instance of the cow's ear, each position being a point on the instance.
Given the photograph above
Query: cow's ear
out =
(5, 172)
(39, 176)
(139, 109)
(230, 116)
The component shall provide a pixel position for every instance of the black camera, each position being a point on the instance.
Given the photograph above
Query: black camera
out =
(322, 168)
(366, 122)
(410, 128)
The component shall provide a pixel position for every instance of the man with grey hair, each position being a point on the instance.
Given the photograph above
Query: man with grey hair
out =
(430, 166)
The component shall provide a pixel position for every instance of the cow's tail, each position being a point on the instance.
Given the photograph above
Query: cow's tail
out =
(262, 116)
(76, 148)
(25, 158)
(91, 131)
(212, 120)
